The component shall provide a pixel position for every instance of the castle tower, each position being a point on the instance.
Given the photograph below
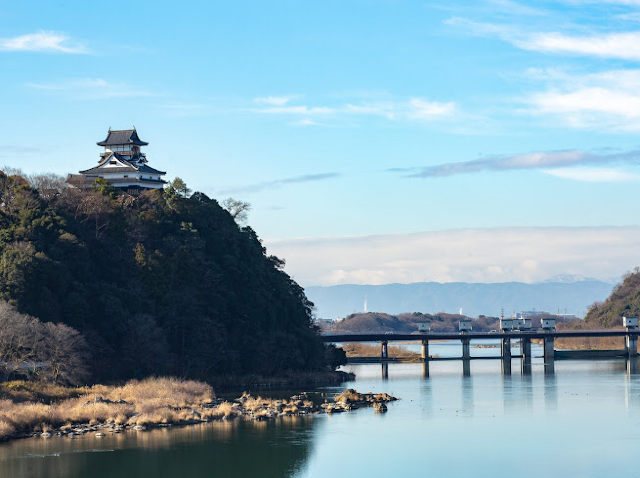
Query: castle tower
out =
(122, 164)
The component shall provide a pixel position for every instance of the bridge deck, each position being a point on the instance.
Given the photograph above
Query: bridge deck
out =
(537, 334)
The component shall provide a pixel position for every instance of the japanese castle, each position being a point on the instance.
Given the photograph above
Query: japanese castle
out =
(122, 164)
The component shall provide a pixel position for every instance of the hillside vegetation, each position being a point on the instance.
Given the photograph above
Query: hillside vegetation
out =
(623, 301)
(407, 323)
(161, 283)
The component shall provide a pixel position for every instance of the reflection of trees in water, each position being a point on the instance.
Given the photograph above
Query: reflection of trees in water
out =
(267, 449)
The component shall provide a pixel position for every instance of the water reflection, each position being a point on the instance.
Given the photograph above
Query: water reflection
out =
(467, 396)
(555, 416)
(266, 449)
(632, 365)
(425, 369)
(466, 368)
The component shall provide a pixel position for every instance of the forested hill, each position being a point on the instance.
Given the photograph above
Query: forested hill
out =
(623, 301)
(165, 282)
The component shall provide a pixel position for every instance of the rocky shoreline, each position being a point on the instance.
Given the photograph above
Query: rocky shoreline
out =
(245, 407)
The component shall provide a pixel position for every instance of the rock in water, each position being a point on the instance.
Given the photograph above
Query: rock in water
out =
(380, 407)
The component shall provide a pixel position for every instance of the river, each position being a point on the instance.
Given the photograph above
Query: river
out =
(582, 420)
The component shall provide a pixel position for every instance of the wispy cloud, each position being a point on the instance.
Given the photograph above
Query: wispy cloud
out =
(620, 45)
(594, 175)
(300, 110)
(43, 41)
(413, 109)
(278, 183)
(91, 88)
(499, 255)
(538, 160)
(625, 46)
(308, 122)
(608, 100)
(274, 100)
(515, 8)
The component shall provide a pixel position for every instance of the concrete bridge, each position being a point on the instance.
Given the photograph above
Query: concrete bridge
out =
(505, 336)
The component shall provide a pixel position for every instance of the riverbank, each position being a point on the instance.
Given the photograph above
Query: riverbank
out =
(153, 402)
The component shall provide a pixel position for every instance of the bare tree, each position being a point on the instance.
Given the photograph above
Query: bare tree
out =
(49, 185)
(18, 339)
(54, 351)
(90, 207)
(239, 210)
(64, 352)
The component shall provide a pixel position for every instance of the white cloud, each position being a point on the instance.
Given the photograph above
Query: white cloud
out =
(469, 255)
(624, 46)
(44, 41)
(514, 8)
(91, 88)
(607, 100)
(422, 109)
(593, 175)
(277, 183)
(414, 109)
(296, 110)
(620, 45)
(535, 160)
(274, 100)
(307, 122)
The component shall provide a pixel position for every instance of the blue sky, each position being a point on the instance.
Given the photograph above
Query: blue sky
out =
(367, 118)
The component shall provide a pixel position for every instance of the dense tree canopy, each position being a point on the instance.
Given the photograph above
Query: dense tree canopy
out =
(163, 282)
(623, 301)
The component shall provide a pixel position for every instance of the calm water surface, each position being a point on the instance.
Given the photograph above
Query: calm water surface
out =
(582, 420)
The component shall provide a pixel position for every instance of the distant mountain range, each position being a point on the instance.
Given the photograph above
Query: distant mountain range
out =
(566, 294)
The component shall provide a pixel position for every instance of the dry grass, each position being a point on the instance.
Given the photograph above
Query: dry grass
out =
(6, 429)
(141, 402)
(357, 349)
(225, 409)
(21, 391)
(591, 343)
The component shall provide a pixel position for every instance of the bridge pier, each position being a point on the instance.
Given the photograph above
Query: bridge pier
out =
(425, 369)
(631, 344)
(506, 356)
(506, 348)
(525, 349)
(385, 371)
(384, 349)
(466, 349)
(425, 350)
(549, 350)
(466, 357)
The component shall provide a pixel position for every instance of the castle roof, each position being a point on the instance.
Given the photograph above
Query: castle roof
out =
(124, 167)
(123, 136)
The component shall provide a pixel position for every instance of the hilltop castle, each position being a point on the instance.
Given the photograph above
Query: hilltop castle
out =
(122, 164)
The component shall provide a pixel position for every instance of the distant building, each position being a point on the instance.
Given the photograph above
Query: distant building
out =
(122, 164)
(531, 313)
(567, 316)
